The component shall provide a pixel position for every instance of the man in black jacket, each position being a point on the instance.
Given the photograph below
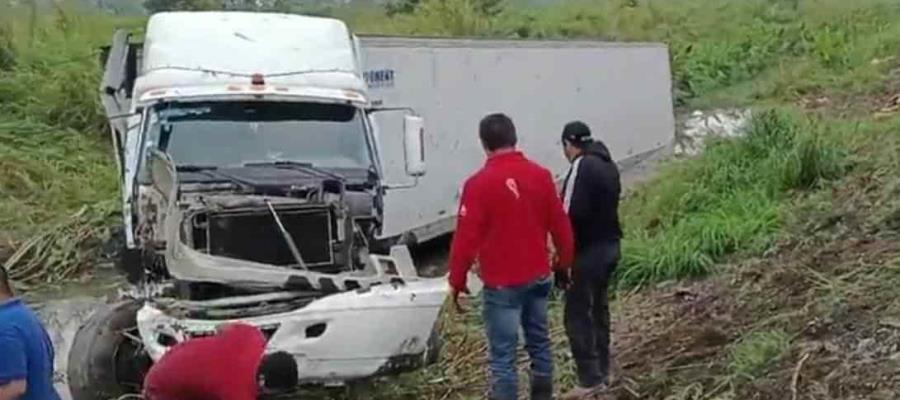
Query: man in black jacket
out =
(591, 197)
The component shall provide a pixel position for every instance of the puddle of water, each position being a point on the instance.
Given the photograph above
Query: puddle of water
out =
(64, 309)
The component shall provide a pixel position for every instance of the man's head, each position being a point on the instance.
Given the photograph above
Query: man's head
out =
(576, 137)
(497, 133)
(6, 290)
(278, 371)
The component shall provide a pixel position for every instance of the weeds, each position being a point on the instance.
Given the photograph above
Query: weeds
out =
(58, 185)
(728, 200)
(755, 353)
(58, 190)
(714, 48)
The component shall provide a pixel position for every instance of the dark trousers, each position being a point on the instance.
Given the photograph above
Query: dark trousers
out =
(587, 312)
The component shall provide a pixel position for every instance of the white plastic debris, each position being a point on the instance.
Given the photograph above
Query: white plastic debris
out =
(703, 125)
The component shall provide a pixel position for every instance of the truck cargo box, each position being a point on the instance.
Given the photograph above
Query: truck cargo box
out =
(623, 91)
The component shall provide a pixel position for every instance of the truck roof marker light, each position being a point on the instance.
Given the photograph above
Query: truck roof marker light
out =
(281, 89)
(257, 80)
(157, 93)
(234, 88)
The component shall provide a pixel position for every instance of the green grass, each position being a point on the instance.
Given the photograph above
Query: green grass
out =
(774, 49)
(731, 199)
(57, 196)
(755, 353)
(58, 185)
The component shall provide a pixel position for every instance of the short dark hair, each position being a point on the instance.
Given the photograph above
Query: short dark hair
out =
(497, 131)
(278, 371)
(5, 286)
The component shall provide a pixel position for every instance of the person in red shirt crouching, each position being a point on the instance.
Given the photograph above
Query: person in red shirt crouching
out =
(227, 366)
(506, 212)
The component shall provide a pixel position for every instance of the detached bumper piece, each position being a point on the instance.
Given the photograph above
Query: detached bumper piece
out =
(381, 330)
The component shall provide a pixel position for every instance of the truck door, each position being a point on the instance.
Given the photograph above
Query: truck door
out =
(121, 64)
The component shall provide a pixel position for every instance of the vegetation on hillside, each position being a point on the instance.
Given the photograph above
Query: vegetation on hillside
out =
(808, 195)
(50, 71)
(731, 199)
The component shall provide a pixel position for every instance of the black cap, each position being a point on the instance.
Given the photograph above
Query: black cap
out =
(577, 133)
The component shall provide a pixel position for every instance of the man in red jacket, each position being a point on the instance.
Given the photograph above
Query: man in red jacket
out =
(227, 366)
(506, 212)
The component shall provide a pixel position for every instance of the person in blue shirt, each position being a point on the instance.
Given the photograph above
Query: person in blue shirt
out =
(26, 353)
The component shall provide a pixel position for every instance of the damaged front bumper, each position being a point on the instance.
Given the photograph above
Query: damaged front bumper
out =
(340, 337)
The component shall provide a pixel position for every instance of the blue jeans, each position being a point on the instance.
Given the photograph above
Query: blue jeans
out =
(505, 309)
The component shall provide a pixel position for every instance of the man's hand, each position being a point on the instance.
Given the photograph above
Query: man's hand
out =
(13, 390)
(552, 254)
(454, 294)
(562, 278)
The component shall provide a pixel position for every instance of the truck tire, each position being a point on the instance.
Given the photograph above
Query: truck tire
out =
(434, 347)
(130, 263)
(104, 362)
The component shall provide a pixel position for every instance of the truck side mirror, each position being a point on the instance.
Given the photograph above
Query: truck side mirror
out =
(414, 145)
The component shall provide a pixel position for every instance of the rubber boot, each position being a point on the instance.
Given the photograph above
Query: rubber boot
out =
(541, 388)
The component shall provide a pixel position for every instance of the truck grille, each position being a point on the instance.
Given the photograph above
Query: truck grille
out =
(255, 236)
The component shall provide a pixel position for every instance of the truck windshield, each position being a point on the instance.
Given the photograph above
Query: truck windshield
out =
(224, 134)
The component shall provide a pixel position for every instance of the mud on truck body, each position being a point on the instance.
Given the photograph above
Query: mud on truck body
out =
(252, 191)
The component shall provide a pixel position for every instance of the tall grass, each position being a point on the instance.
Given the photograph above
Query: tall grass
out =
(58, 185)
(53, 74)
(731, 198)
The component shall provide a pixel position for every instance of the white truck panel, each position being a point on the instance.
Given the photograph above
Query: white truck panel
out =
(219, 49)
(622, 91)
(247, 43)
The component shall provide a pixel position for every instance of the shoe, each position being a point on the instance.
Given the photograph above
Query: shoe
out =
(585, 393)
(541, 388)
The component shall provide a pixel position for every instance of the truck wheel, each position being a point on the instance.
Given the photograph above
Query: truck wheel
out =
(434, 346)
(107, 359)
(130, 263)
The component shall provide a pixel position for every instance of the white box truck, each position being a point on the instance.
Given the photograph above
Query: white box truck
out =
(266, 176)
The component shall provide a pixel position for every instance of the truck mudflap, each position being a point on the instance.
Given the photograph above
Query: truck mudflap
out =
(351, 335)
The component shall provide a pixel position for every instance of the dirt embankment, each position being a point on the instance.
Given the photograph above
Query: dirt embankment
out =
(816, 318)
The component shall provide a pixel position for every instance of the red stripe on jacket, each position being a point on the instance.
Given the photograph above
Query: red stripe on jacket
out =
(506, 211)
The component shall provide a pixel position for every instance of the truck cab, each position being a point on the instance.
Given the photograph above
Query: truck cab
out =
(289, 118)
(252, 191)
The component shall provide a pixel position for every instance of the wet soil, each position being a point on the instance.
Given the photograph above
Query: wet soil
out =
(64, 308)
